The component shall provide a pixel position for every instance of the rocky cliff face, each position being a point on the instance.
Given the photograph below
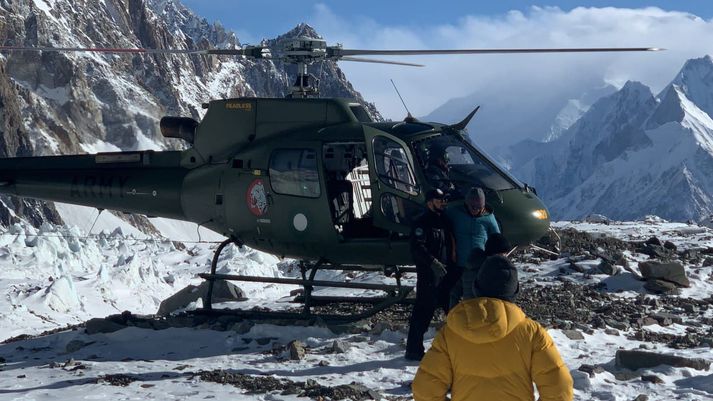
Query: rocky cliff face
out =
(65, 103)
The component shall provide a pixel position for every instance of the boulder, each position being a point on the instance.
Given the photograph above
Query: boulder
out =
(656, 286)
(340, 347)
(597, 218)
(670, 245)
(651, 379)
(581, 380)
(645, 321)
(591, 370)
(625, 375)
(619, 325)
(606, 267)
(223, 291)
(635, 359)
(573, 334)
(653, 241)
(297, 350)
(655, 251)
(669, 271)
(665, 318)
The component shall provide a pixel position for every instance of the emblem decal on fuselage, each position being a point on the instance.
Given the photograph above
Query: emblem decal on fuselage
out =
(256, 198)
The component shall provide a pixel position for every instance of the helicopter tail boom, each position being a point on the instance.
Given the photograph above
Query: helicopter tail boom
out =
(135, 182)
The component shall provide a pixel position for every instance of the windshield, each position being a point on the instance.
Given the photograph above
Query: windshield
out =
(454, 165)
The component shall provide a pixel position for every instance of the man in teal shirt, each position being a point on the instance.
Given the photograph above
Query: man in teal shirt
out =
(472, 224)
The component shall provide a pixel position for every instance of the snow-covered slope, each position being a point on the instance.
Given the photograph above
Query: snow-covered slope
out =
(64, 277)
(696, 81)
(54, 276)
(632, 154)
(573, 110)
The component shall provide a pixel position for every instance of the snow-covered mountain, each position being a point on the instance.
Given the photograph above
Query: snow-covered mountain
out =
(573, 110)
(632, 154)
(66, 103)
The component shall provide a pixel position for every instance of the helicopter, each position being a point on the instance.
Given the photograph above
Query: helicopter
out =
(302, 177)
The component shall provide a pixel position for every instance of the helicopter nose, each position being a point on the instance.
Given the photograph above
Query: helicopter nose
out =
(524, 218)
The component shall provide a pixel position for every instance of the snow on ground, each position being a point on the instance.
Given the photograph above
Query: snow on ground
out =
(55, 276)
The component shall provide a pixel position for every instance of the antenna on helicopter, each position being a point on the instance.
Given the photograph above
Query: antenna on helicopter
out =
(409, 118)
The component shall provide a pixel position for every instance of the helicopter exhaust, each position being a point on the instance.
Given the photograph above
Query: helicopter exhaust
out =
(179, 127)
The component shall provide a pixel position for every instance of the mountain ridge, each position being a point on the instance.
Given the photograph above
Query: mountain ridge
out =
(631, 154)
(69, 103)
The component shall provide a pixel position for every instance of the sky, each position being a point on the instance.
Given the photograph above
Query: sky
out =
(684, 28)
(250, 18)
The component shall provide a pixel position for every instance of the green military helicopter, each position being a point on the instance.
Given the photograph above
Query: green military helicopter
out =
(301, 177)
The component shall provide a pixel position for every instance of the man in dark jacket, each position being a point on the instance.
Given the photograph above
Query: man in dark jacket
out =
(431, 241)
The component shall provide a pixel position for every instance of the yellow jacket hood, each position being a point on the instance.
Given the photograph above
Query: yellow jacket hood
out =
(485, 320)
(489, 350)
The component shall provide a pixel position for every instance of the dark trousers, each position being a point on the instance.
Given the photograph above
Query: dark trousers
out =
(429, 297)
(447, 287)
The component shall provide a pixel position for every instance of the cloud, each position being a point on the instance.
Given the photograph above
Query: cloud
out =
(445, 77)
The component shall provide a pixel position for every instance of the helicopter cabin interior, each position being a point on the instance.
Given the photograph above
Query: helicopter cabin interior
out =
(349, 189)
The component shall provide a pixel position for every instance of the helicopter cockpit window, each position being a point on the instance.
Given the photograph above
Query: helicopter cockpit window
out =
(393, 167)
(454, 166)
(294, 172)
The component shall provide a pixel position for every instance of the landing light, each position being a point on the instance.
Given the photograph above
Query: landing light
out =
(540, 214)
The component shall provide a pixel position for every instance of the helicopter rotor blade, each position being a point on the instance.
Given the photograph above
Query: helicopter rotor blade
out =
(371, 60)
(250, 51)
(337, 52)
(99, 50)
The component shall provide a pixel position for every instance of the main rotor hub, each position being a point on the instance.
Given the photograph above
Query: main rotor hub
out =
(303, 50)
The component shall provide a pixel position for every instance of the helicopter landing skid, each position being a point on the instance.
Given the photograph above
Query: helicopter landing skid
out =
(396, 294)
(557, 244)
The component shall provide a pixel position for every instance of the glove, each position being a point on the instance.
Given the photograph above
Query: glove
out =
(438, 269)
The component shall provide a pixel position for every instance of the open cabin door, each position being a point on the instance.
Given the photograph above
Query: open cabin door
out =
(396, 196)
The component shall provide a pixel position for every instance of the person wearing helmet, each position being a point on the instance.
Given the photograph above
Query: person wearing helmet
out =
(438, 170)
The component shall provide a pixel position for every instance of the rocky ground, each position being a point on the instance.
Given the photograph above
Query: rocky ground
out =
(637, 290)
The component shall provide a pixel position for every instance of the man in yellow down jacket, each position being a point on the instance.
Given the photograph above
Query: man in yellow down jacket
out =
(489, 350)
